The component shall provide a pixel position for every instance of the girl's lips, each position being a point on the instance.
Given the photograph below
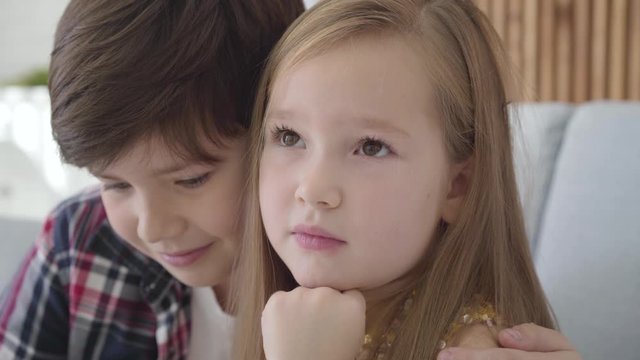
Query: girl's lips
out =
(315, 238)
(184, 258)
(314, 242)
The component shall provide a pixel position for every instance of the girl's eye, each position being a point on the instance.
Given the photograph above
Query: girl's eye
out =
(118, 186)
(194, 182)
(287, 137)
(373, 148)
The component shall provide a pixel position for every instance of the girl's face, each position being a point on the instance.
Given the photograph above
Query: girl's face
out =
(354, 174)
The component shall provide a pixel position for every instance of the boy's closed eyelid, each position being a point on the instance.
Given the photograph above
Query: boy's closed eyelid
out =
(195, 181)
(106, 186)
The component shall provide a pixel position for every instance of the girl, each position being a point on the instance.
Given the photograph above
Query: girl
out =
(384, 172)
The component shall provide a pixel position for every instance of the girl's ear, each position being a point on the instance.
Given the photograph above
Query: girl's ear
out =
(459, 182)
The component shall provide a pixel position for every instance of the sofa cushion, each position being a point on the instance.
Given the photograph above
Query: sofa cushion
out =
(538, 129)
(587, 256)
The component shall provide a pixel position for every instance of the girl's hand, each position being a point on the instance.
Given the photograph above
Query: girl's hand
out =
(311, 324)
(522, 342)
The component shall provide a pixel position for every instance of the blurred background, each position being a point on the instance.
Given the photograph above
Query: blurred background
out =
(32, 179)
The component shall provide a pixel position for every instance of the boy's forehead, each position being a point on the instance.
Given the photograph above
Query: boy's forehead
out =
(155, 156)
(156, 164)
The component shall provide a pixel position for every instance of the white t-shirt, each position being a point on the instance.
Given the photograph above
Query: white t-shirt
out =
(211, 327)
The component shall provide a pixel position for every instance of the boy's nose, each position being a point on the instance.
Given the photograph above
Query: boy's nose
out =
(156, 222)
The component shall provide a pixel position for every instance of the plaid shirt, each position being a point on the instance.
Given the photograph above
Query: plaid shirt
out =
(84, 293)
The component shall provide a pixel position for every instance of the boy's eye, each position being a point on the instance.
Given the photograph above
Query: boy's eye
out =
(118, 186)
(373, 148)
(194, 182)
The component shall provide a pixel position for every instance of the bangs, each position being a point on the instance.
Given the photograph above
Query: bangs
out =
(196, 119)
(190, 116)
(183, 72)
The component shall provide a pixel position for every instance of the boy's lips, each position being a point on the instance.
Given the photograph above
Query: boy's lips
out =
(315, 238)
(184, 258)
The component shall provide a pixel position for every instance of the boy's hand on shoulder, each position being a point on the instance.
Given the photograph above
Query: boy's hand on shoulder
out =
(477, 336)
(521, 342)
(320, 323)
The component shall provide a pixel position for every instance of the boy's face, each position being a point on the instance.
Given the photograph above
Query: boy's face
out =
(183, 214)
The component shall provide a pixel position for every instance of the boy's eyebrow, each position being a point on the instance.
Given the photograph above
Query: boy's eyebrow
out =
(102, 175)
(177, 167)
(172, 168)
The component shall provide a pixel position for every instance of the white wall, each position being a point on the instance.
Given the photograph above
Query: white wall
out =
(26, 34)
(32, 178)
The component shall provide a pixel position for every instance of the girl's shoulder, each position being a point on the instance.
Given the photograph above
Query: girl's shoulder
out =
(477, 326)
(476, 336)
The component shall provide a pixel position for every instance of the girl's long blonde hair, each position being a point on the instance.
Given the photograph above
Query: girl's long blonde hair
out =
(486, 251)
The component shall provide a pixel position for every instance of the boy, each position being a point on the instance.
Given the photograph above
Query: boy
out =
(153, 97)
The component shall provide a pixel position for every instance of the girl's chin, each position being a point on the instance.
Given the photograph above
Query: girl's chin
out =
(318, 283)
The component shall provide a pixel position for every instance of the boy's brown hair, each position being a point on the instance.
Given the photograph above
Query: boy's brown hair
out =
(122, 71)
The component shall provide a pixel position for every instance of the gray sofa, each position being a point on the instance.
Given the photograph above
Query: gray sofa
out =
(579, 174)
(583, 216)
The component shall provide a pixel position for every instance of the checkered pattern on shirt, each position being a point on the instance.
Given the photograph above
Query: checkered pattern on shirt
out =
(83, 293)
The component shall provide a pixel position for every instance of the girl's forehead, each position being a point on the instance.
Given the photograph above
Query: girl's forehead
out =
(369, 74)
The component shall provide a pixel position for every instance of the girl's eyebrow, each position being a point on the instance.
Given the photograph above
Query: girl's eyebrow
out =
(374, 123)
(368, 122)
(279, 114)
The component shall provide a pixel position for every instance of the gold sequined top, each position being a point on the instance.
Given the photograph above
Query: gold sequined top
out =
(479, 312)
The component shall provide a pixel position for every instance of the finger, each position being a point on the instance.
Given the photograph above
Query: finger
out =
(531, 337)
(356, 295)
(275, 298)
(504, 354)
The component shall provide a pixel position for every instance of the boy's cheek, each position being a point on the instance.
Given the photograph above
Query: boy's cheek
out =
(122, 221)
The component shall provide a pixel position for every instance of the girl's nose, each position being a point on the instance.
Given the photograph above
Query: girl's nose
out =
(319, 189)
